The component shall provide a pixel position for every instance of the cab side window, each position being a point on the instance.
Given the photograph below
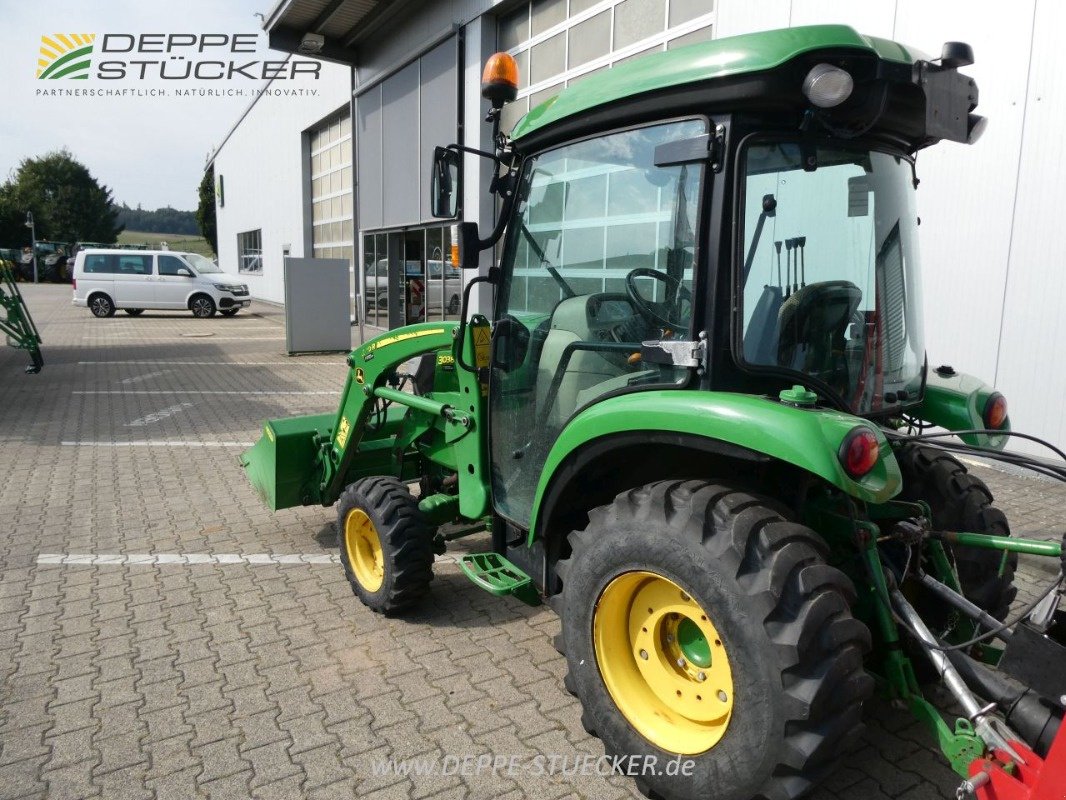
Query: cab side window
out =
(169, 265)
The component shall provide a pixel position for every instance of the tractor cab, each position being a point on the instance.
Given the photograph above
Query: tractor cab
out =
(736, 216)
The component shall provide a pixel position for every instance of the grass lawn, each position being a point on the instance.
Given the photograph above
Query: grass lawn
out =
(175, 241)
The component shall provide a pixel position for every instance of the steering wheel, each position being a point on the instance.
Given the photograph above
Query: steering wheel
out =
(666, 313)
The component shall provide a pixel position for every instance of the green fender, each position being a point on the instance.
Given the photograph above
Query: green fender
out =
(956, 401)
(806, 438)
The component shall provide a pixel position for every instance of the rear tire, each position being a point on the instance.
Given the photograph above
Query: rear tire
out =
(386, 544)
(960, 501)
(202, 306)
(102, 306)
(779, 615)
(134, 312)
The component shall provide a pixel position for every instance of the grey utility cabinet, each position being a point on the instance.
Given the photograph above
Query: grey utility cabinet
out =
(318, 310)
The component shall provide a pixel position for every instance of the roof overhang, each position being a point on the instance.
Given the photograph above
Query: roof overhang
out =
(342, 24)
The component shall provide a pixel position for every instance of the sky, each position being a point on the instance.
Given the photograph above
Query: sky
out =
(148, 150)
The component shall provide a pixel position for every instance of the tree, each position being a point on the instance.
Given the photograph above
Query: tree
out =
(67, 202)
(205, 212)
(161, 220)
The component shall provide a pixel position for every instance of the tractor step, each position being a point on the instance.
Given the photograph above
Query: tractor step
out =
(495, 574)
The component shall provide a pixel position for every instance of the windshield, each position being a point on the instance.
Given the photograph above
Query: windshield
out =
(203, 265)
(830, 271)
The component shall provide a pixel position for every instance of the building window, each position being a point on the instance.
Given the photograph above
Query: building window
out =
(332, 234)
(557, 42)
(250, 251)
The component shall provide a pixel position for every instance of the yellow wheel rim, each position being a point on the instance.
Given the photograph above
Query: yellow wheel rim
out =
(363, 545)
(663, 662)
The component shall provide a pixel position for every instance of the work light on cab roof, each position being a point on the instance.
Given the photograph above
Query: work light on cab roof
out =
(827, 86)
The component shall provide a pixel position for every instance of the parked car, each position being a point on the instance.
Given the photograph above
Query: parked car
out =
(106, 280)
(441, 294)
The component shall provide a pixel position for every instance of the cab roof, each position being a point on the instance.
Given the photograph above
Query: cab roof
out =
(730, 56)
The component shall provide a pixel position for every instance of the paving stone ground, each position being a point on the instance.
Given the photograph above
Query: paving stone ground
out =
(270, 681)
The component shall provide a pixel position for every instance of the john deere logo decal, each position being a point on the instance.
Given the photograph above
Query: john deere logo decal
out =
(65, 55)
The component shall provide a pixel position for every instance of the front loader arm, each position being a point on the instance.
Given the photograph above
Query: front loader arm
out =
(371, 364)
(309, 460)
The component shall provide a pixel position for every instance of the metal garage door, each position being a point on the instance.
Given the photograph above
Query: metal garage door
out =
(400, 120)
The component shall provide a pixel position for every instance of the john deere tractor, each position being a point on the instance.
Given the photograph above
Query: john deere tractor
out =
(734, 485)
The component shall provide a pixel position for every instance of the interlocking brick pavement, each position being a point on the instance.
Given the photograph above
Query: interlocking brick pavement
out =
(239, 680)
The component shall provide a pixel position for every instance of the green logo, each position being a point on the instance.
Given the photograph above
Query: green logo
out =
(65, 55)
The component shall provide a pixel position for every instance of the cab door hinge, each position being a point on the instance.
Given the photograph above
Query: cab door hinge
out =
(718, 148)
(705, 147)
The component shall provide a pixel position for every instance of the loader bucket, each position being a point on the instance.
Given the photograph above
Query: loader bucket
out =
(281, 465)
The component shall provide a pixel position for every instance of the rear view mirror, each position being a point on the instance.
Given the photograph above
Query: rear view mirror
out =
(184, 272)
(445, 189)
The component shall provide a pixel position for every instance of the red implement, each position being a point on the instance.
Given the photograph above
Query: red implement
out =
(1037, 779)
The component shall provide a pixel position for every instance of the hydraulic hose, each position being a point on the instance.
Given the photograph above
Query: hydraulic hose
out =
(1034, 717)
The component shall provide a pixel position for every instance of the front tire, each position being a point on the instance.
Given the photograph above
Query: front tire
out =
(102, 306)
(386, 544)
(697, 622)
(202, 306)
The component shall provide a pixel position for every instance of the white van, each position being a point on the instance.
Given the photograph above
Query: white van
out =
(134, 280)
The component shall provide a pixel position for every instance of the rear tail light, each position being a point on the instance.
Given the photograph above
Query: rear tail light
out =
(995, 413)
(859, 452)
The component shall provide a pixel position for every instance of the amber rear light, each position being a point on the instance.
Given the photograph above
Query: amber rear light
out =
(454, 248)
(995, 413)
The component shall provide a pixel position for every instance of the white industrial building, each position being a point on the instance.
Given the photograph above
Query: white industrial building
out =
(346, 173)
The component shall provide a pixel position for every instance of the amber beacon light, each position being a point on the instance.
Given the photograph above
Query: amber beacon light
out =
(499, 80)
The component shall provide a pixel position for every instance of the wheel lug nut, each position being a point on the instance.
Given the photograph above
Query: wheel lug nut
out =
(644, 654)
(701, 676)
(681, 663)
(722, 696)
(670, 638)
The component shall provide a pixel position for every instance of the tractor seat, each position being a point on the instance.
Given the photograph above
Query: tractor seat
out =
(812, 324)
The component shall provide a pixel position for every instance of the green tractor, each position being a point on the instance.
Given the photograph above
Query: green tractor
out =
(713, 460)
